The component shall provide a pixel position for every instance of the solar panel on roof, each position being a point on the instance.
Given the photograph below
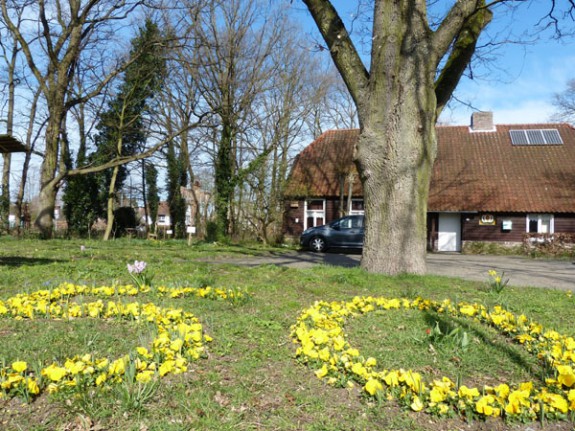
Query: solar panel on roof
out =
(535, 137)
(552, 136)
(518, 137)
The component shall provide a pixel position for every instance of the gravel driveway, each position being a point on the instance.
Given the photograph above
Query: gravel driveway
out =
(521, 271)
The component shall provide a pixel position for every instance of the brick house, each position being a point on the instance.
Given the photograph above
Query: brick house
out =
(490, 183)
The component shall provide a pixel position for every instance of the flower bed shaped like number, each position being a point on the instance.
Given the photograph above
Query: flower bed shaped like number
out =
(179, 337)
(323, 345)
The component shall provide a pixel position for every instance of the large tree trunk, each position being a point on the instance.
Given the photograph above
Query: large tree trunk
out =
(395, 195)
(46, 204)
(398, 101)
(397, 146)
(48, 181)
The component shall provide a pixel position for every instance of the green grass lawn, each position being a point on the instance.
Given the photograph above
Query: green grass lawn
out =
(249, 378)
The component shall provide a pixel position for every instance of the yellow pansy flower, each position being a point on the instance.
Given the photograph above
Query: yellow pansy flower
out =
(324, 354)
(145, 376)
(516, 401)
(417, 404)
(54, 372)
(101, 379)
(359, 369)
(566, 375)
(370, 362)
(373, 386)
(392, 378)
(176, 345)
(437, 395)
(468, 310)
(33, 387)
(322, 372)
(502, 390)
(469, 393)
(142, 351)
(338, 343)
(19, 366)
(118, 367)
(556, 401)
(166, 367)
(485, 406)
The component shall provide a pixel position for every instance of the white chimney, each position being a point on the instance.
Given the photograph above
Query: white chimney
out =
(482, 122)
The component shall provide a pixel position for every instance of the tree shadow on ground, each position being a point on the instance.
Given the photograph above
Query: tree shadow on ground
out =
(490, 336)
(16, 261)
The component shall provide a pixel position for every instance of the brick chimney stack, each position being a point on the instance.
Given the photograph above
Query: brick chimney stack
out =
(482, 122)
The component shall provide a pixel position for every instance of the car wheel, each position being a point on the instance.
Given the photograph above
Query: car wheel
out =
(317, 244)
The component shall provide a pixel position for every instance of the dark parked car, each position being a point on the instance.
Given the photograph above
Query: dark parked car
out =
(346, 232)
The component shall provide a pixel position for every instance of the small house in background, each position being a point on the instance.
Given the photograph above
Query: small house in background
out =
(163, 220)
(490, 183)
(198, 202)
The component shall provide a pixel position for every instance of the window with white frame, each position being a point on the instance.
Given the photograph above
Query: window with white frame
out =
(357, 207)
(314, 213)
(540, 223)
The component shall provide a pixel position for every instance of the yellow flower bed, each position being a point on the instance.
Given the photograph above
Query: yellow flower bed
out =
(179, 339)
(323, 345)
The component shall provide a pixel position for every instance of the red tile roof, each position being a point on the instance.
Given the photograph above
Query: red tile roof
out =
(474, 171)
(319, 169)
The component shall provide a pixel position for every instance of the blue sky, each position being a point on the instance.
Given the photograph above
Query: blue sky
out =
(524, 77)
(519, 82)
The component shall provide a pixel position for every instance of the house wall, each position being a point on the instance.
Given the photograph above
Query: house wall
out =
(472, 230)
(293, 218)
(331, 210)
(565, 223)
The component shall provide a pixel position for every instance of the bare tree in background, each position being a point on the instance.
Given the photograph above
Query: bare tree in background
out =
(280, 122)
(234, 40)
(333, 106)
(66, 30)
(180, 102)
(565, 104)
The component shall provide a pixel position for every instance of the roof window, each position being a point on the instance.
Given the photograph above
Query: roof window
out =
(536, 137)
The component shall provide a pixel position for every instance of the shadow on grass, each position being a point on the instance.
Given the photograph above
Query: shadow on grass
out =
(514, 352)
(290, 258)
(20, 261)
(237, 249)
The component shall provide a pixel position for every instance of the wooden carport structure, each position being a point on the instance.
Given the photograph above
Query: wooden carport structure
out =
(9, 144)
